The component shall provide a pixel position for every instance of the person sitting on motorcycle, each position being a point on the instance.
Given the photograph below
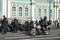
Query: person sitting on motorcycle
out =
(20, 27)
(41, 22)
(15, 25)
(36, 22)
(49, 23)
(26, 25)
(11, 26)
(31, 24)
(45, 22)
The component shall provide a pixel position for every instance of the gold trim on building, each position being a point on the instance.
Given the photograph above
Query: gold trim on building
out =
(55, 6)
(45, 7)
(14, 4)
(59, 8)
(33, 3)
(26, 5)
(39, 7)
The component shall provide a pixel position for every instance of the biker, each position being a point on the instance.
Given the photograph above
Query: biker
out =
(45, 22)
(4, 24)
(15, 25)
(31, 24)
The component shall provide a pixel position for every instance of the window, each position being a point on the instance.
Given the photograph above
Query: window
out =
(20, 8)
(50, 10)
(50, 13)
(26, 11)
(40, 12)
(20, 11)
(59, 11)
(45, 10)
(13, 8)
(13, 11)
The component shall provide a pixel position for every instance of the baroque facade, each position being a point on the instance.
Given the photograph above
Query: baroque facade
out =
(30, 9)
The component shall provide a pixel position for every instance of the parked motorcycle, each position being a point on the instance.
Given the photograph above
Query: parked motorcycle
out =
(40, 30)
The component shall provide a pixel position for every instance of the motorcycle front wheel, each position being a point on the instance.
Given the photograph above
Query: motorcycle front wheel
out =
(33, 32)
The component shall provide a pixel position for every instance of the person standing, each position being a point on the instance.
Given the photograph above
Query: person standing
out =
(4, 24)
(58, 22)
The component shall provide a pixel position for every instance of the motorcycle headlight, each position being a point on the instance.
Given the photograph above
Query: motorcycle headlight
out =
(38, 27)
(34, 25)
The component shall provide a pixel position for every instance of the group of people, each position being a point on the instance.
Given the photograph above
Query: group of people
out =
(27, 26)
(5, 26)
(57, 23)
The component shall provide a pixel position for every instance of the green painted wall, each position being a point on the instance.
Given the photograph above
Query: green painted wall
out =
(21, 4)
(43, 3)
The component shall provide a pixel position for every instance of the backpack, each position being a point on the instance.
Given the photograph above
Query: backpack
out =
(46, 22)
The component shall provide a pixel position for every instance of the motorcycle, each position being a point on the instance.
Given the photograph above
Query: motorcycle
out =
(40, 30)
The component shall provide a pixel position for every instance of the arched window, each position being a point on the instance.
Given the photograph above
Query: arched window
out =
(13, 8)
(40, 12)
(26, 11)
(59, 14)
(50, 10)
(45, 10)
(13, 11)
(59, 11)
(20, 11)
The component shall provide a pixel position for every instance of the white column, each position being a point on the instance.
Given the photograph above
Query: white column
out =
(4, 7)
(9, 5)
(56, 10)
(55, 13)
(33, 10)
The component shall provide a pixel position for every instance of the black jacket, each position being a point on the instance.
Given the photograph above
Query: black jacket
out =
(5, 21)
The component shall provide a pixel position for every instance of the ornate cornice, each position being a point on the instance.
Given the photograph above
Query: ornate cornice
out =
(14, 4)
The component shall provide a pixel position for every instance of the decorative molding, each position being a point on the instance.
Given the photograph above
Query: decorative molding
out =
(26, 5)
(39, 7)
(59, 8)
(33, 3)
(14, 4)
